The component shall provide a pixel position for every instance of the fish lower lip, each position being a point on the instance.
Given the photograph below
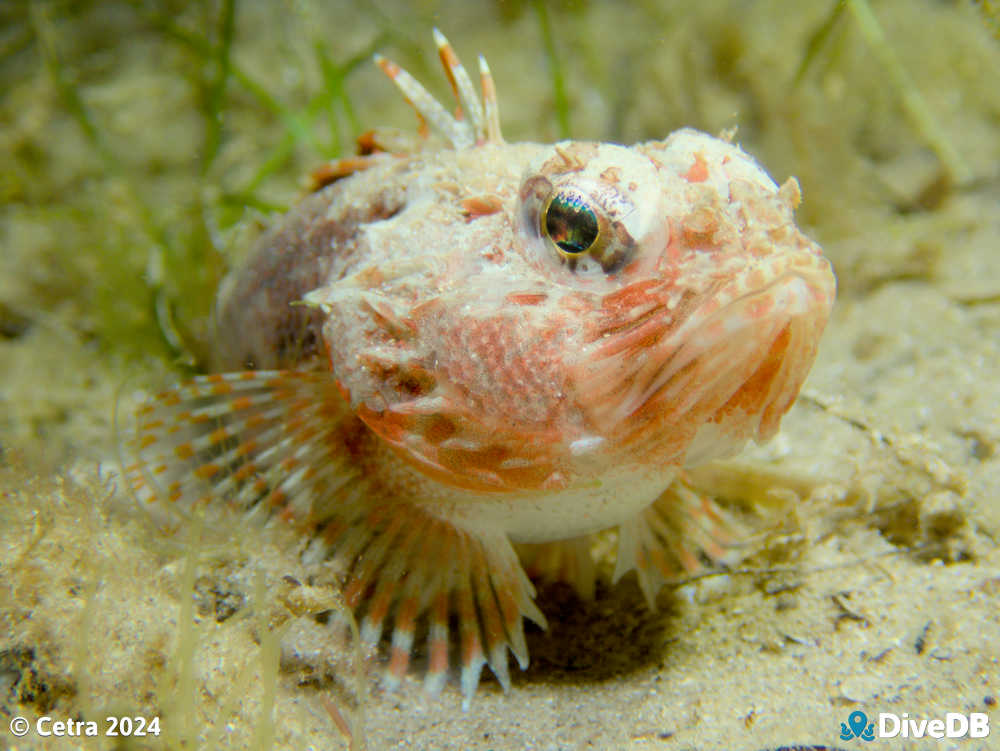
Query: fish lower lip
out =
(735, 326)
(738, 365)
(741, 368)
(792, 293)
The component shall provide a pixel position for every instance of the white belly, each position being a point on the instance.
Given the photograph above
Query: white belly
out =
(557, 515)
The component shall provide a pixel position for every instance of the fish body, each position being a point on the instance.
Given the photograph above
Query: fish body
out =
(448, 357)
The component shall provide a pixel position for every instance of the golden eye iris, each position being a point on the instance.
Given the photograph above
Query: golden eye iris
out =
(570, 223)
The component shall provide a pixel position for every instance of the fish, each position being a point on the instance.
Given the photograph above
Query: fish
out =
(457, 359)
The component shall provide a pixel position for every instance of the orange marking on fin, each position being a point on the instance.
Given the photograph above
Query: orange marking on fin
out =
(352, 593)
(254, 421)
(659, 560)
(207, 471)
(277, 497)
(472, 648)
(222, 388)
(508, 607)
(241, 403)
(248, 446)
(380, 608)
(388, 66)
(450, 61)
(170, 399)
(398, 662)
(438, 662)
(219, 435)
(407, 612)
(245, 472)
(492, 112)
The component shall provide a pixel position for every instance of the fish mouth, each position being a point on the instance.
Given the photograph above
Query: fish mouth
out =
(725, 370)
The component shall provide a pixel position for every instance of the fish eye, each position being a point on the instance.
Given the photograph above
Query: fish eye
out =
(580, 222)
(570, 222)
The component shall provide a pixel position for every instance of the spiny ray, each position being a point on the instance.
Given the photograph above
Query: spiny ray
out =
(476, 120)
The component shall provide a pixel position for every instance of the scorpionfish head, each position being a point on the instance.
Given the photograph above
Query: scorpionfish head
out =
(647, 307)
(695, 304)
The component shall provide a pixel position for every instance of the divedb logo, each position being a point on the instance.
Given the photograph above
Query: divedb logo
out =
(889, 725)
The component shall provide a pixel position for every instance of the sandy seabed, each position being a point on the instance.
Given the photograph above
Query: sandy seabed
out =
(873, 580)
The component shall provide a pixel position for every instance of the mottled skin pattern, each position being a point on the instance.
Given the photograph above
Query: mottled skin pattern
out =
(451, 351)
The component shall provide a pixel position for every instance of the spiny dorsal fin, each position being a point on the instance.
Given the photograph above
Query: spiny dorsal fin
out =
(475, 121)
